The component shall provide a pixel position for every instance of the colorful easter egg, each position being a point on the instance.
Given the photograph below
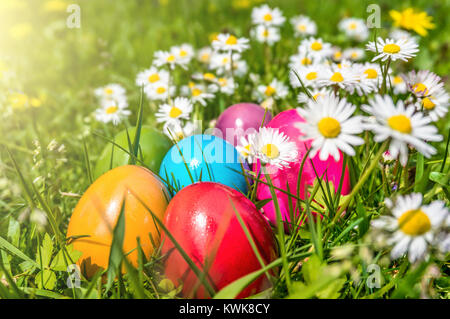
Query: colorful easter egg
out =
(153, 146)
(240, 120)
(97, 212)
(282, 178)
(203, 158)
(202, 219)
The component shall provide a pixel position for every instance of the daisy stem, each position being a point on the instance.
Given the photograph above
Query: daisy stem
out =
(362, 180)
(280, 227)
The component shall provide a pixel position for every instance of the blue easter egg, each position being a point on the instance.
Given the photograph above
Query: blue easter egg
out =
(208, 158)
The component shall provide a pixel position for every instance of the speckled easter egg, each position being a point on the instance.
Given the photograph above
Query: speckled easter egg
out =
(202, 219)
(203, 158)
(153, 145)
(284, 177)
(97, 211)
(241, 119)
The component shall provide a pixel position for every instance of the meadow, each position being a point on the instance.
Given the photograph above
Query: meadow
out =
(52, 136)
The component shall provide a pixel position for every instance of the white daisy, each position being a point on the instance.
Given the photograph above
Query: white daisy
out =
(370, 78)
(398, 34)
(204, 55)
(220, 62)
(316, 48)
(399, 85)
(229, 43)
(354, 28)
(181, 108)
(183, 53)
(303, 26)
(402, 49)
(159, 91)
(266, 16)
(197, 93)
(402, 125)
(111, 92)
(309, 75)
(272, 147)
(162, 58)
(303, 98)
(152, 76)
(354, 54)
(331, 127)
(423, 83)
(430, 92)
(176, 131)
(276, 89)
(300, 60)
(336, 54)
(225, 85)
(264, 34)
(413, 225)
(244, 147)
(112, 111)
(342, 76)
(207, 77)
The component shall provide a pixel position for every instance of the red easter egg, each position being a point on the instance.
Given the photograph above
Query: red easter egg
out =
(282, 178)
(203, 221)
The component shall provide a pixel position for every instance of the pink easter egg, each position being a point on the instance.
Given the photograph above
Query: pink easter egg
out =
(285, 121)
(240, 120)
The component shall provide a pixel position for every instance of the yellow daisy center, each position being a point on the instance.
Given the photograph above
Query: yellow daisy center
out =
(153, 78)
(400, 123)
(337, 77)
(271, 151)
(420, 88)
(301, 27)
(171, 58)
(315, 96)
(196, 92)
(209, 76)
(337, 55)
(175, 112)
(269, 91)
(354, 55)
(109, 91)
(391, 48)
(111, 110)
(246, 151)
(311, 76)
(204, 57)
(329, 127)
(352, 26)
(265, 33)
(428, 103)
(232, 40)
(371, 73)
(222, 81)
(161, 90)
(306, 61)
(316, 46)
(398, 80)
(225, 61)
(267, 17)
(414, 222)
(183, 53)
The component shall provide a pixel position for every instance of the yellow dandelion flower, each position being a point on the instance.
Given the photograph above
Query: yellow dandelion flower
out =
(410, 19)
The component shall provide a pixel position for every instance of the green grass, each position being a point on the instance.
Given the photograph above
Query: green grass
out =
(116, 41)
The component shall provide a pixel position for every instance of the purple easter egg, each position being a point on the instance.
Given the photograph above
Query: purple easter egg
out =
(288, 177)
(240, 120)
